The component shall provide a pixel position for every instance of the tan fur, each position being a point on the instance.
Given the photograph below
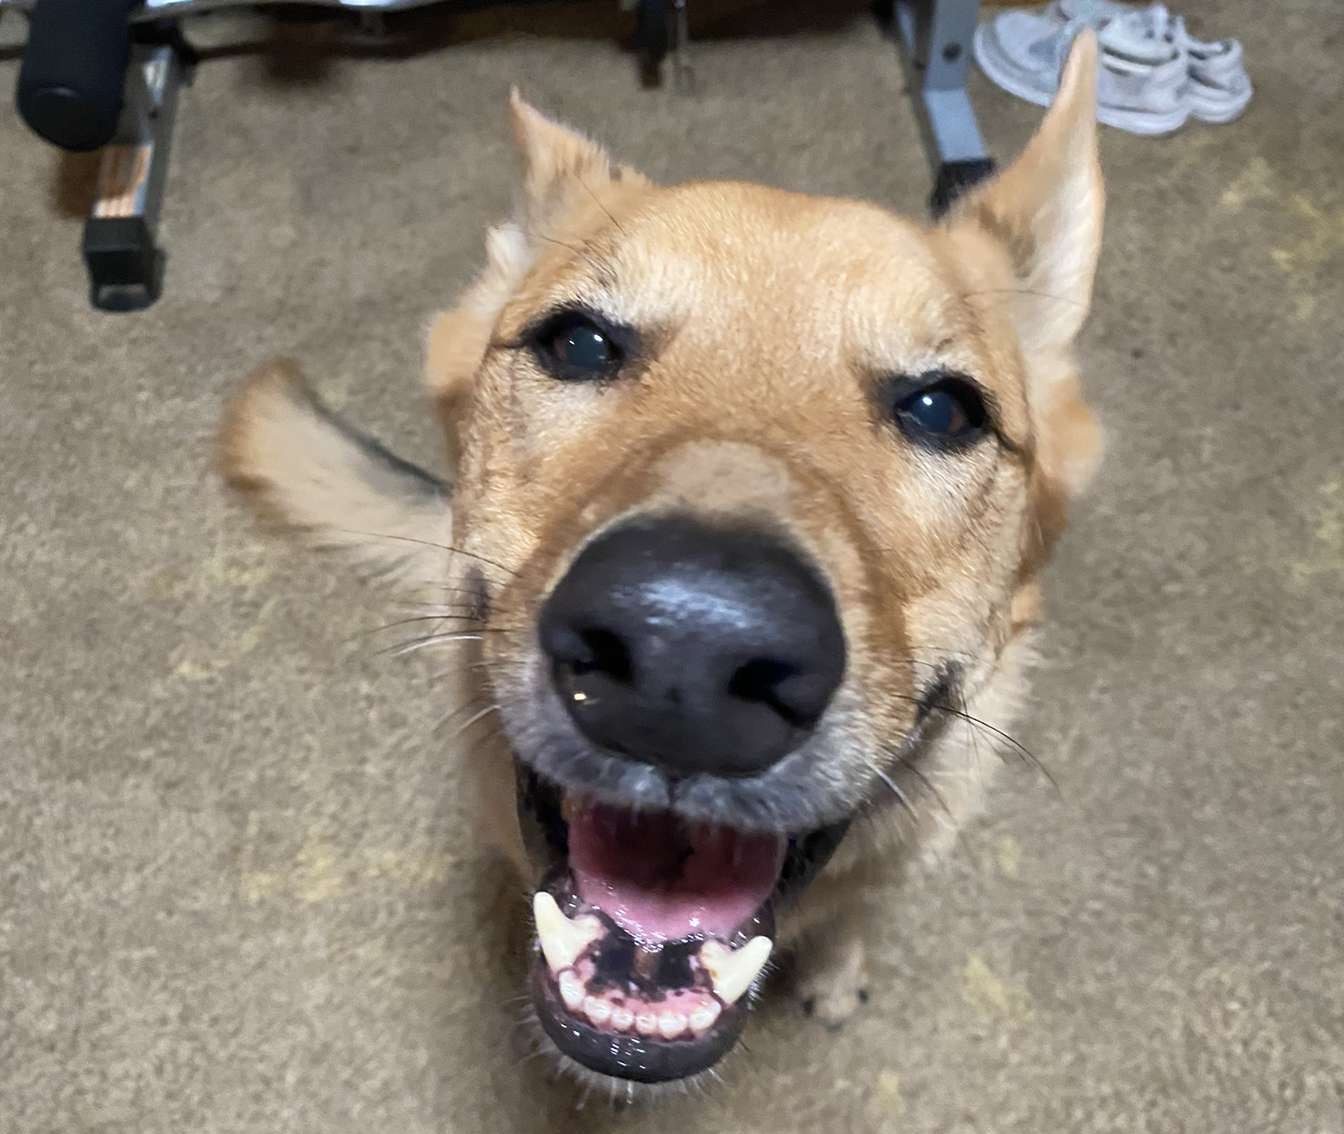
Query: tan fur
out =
(768, 319)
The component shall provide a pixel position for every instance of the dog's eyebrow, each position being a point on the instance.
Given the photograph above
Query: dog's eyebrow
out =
(548, 313)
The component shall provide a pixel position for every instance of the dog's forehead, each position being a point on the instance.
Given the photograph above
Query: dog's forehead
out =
(724, 260)
(745, 281)
(726, 252)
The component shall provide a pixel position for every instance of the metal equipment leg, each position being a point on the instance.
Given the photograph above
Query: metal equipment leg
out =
(936, 46)
(123, 257)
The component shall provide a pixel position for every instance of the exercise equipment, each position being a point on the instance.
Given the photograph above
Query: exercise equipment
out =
(105, 74)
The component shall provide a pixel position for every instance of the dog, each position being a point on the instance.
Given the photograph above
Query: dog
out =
(751, 496)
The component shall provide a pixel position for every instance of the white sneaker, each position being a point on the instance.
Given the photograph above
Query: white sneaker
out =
(1142, 71)
(1023, 50)
(1219, 88)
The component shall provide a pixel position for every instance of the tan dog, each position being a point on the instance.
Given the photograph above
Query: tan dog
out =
(752, 491)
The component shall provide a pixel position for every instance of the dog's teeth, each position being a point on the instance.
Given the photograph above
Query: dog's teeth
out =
(562, 940)
(622, 1019)
(646, 1023)
(571, 989)
(733, 972)
(702, 1019)
(671, 1025)
(598, 1011)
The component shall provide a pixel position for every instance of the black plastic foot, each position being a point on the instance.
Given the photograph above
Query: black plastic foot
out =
(125, 267)
(954, 178)
(652, 40)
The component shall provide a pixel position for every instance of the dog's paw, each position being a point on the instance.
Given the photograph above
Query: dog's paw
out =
(834, 991)
(835, 1006)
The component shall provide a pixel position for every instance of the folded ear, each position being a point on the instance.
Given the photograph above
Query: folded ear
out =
(1046, 208)
(560, 165)
(302, 467)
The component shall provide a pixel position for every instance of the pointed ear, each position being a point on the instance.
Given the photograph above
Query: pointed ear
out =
(560, 164)
(1046, 210)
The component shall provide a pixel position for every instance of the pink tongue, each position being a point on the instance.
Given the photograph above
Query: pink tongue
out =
(660, 880)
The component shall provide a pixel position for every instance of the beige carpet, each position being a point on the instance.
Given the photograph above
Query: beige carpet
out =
(234, 891)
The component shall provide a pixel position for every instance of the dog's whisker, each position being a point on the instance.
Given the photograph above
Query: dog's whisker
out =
(431, 640)
(1033, 292)
(479, 625)
(494, 708)
(915, 770)
(598, 202)
(364, 635)
(975, 722)
(523, 1060)
(489, 738)
(436, 546)
(928, 783)
(469, 634)
(441, 587)
(478, 666)
(901, 797)
(578, 250)
(470, 702)
(583, 1098)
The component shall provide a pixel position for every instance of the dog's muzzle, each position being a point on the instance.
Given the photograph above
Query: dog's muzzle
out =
(685, 650)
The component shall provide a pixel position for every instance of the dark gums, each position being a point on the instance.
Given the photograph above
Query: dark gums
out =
(639, 1058)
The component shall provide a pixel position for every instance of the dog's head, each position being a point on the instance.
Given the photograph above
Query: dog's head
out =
(752, 491)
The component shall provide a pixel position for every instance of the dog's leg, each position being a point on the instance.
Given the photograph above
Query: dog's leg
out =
(833, 971)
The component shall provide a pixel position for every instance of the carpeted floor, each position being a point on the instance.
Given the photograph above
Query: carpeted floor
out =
(235, 894)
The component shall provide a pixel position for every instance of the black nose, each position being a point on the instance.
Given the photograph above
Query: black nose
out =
(695, 648)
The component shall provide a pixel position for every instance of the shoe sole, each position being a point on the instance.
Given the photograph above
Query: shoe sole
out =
(1010, 78)
(1222, 111)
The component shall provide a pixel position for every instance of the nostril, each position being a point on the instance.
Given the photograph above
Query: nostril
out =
(778, 685)
(580, 651)
(605, 653)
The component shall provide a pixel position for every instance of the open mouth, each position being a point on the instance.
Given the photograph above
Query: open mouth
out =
(653, 933)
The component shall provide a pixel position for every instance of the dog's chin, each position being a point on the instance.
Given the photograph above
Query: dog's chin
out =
(654, 932)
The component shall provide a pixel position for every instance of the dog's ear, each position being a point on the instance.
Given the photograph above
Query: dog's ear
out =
(566, 177)
(1045, 209)
(1044, 214)
(560, 165)
(302, 467)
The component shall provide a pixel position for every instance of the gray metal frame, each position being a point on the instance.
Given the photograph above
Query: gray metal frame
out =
(937, 35)
(936, 49)
(120, 246)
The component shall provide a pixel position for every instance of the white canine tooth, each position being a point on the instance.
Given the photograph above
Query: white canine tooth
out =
(646, 1023)
(712, 952)
(702, 1019)
(622, 1019)
(671, 1025)
(599, 1011)
(562, 940)
(571, 989)
(733, 972)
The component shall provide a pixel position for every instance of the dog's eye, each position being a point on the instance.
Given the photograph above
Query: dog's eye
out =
(946, 411)
(574, 347)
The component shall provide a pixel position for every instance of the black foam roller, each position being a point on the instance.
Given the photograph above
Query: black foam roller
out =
(74, 66)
